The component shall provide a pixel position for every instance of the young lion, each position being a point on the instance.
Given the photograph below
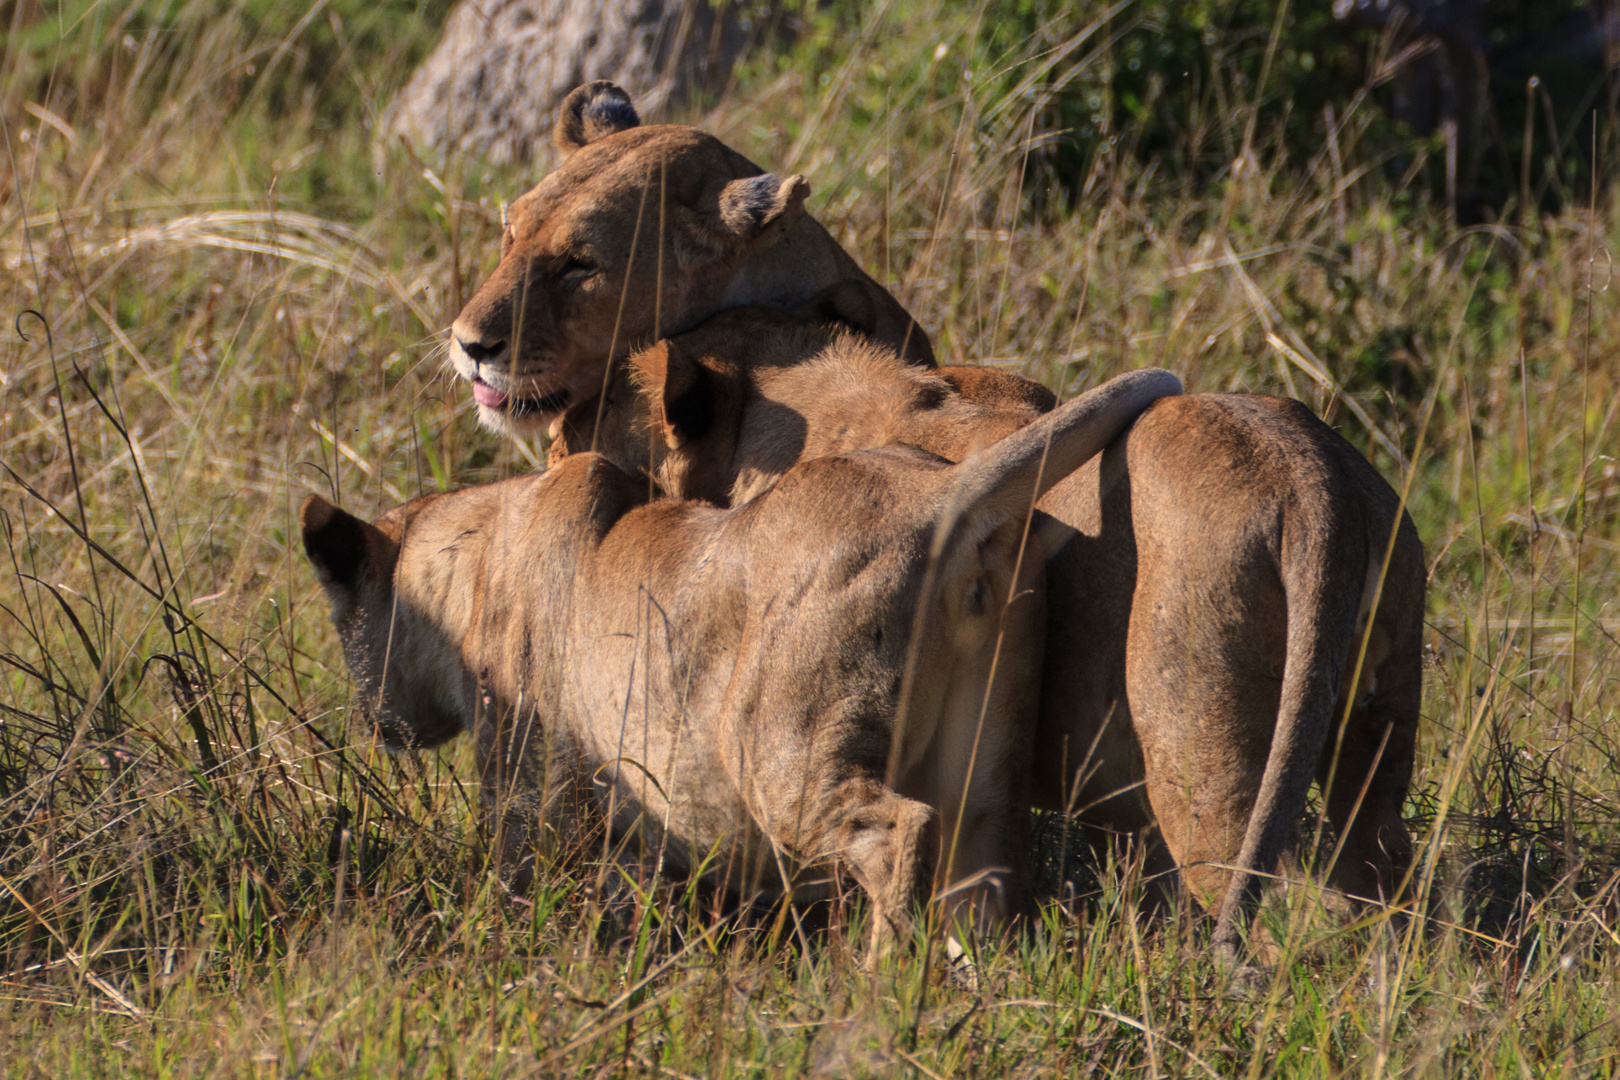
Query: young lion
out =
(1219, 567)
(839, 671)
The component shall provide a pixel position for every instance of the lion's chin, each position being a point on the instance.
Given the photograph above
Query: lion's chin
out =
(500, 422)
(522, 417)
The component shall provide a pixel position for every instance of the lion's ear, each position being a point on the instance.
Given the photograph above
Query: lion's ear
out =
(340, 546)
(591, 111)
(756, 210)
(683, 388)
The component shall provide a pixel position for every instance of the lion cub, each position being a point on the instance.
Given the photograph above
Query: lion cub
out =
(841, 671)
(1207, 599)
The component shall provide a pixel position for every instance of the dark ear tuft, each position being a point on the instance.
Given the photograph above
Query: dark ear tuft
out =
(591, 111)
(335, 542)
(759, 208)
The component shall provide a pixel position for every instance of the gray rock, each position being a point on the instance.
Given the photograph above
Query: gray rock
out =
(492, 84)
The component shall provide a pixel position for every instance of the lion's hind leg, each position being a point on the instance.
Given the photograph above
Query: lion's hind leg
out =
(1204, 689)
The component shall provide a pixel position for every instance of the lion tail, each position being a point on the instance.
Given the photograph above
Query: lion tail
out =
(1008, 476)
(1323, 565)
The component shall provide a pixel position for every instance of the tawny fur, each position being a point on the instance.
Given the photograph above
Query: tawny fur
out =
(803, 680)
(1206, 605)
(643, 231)
(1176, 563)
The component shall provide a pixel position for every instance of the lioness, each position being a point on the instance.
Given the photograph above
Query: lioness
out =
(842, 670)
(638, 233)
(1206, 613)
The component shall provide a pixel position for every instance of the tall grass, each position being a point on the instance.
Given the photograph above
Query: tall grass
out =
(220, 303)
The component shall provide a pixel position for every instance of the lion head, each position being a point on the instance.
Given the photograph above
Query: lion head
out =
(641, 232)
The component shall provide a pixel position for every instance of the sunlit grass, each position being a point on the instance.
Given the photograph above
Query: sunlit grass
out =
(204, 869)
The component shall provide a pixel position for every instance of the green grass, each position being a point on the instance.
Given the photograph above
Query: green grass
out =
(204, 869)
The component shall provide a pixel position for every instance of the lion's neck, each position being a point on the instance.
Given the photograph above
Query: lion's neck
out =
(614, 424)
(438, 595)
(804, 262)
(487, 571)
(806, 272)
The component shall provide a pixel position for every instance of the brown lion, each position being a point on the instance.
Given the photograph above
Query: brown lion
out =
(1220, 564)
(1207, 609)
(642, 232)
(841, 671)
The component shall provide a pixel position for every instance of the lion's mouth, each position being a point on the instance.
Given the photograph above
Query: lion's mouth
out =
(491, 398)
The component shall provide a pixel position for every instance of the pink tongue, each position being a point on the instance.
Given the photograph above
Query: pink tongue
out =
(486, 395)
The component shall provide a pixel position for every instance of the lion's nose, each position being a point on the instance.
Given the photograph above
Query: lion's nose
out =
(479, 351)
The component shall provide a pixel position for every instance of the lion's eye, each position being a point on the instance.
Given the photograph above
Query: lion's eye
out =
(575, 268)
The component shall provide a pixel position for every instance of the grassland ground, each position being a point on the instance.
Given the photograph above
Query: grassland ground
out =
(220, 296)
